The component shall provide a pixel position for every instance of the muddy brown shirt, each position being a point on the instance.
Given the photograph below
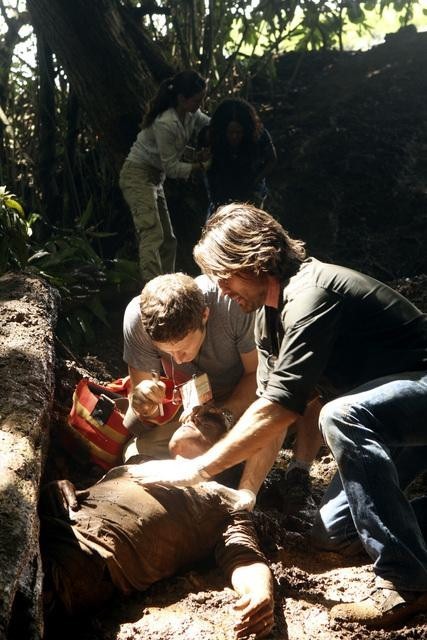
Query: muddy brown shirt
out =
(335, 329)
(141, 535)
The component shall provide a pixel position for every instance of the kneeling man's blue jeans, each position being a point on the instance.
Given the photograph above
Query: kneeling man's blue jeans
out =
(378, 437)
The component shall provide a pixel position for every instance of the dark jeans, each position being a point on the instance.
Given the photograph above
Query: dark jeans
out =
(378, 436)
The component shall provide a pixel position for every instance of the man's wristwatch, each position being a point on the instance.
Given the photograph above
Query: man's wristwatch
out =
(228, 418)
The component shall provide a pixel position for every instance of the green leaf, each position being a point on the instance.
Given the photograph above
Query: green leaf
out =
(13, 204)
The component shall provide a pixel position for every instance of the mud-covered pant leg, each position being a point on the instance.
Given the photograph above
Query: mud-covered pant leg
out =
(373, 433)
(142, 188)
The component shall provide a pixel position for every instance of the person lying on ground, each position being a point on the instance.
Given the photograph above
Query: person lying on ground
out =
(118, 537)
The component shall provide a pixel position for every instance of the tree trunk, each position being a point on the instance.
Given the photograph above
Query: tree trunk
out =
(8, 41)
(110, 64)
(51, 199)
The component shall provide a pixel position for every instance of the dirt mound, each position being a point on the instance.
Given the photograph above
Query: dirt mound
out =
(351, 133)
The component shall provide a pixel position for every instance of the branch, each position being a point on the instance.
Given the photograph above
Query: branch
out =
(232, 58)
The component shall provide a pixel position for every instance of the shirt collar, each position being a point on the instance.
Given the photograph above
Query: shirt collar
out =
(273, 293)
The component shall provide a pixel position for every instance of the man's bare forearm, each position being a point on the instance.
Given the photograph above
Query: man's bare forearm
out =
(257, 467)
(262, 423)
(244, 394)
(308, 436)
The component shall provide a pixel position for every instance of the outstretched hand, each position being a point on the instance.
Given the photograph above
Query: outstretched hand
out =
(255, 605)
(178, 473)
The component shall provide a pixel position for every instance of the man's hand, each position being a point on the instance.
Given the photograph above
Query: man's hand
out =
(68, 495)
(256, 605)
(178, 473)
(146, 397)
(238, 499)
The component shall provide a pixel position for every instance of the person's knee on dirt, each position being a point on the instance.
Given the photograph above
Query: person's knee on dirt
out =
(370, 432)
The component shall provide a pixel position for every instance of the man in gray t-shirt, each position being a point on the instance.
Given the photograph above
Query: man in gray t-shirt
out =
(180, 327)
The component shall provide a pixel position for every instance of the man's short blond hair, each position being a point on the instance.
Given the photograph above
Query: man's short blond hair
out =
(171, 306)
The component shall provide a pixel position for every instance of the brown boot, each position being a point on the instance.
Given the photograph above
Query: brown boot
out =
(382, 608)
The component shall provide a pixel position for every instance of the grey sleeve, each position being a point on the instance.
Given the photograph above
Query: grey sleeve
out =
(242, 327)
(138, 350)
(228, 317)
(201, 120)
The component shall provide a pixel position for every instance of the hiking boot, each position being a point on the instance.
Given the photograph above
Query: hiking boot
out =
(382, 608)
(298, 478)
(297, 494)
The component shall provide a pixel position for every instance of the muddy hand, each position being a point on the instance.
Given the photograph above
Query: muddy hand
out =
(147, 396)
(61, 495)
(256, 615)
(70, 497)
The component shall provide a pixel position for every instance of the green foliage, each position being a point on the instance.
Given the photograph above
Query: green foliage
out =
(217, 36)
(68, 261)
(15, 231)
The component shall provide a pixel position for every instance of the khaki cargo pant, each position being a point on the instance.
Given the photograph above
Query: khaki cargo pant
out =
(142, 188)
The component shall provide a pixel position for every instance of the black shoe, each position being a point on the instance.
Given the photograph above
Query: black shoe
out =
(297, 493)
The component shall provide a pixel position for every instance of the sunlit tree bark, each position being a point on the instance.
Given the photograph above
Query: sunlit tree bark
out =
(111, 64)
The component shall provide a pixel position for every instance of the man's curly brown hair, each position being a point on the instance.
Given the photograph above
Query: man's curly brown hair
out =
(171, 306)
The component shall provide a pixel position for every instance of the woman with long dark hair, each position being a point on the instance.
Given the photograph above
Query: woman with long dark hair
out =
(242, 154)
(173, 118)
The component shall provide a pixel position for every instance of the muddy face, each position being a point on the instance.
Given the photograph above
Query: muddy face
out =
(196, 436)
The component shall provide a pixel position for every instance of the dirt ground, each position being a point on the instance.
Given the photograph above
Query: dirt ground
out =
(199, 604)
